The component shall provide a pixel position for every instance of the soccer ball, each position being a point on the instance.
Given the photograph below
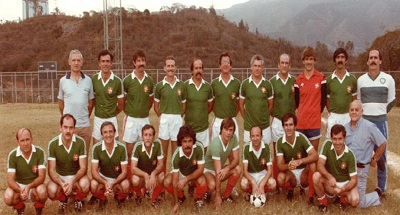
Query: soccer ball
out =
(257, 201)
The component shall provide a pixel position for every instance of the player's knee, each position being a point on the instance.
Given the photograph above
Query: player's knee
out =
(8, 196)
(125, 186)
(238, 171)
(84, 184)
(201, 180)
(41, 192)
(272, 183)
(316, 177)
(244, 183)
(167, 180)
(135, 180)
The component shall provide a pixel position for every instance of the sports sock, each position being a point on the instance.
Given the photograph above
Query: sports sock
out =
(229, 185)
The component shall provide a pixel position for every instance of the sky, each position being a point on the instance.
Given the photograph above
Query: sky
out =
(12, 9)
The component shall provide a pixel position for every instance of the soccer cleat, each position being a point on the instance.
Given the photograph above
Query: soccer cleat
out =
(207, 197)
(21, 211)
(39, 211)
(156, 204)
(247, 196)
(182, 199)
(310, 200)
(130, 196)
(290, 195)
(147, 194)
(191, 189)
(102, 204)
(78, 206)
(198, 203)
(119, 202)
(302, 192)
(93, 200)
(322, 208)
(229, 199)
(138, 200)
(61, 207)
(342, 206)
(382, 195)
(234, 192)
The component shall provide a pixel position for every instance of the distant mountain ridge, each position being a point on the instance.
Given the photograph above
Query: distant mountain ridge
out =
(304, 22)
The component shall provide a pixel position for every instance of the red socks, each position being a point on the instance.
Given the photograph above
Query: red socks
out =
(310, 184)
(100, 195)
(39, 204)
(79, 195)
(137, 190)
(229, 185)
(156, 191)
(19, 205)
(323, 200)
(200, 191)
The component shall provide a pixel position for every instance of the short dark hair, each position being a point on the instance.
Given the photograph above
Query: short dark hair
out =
(224, 54)
(227, 122)
(169, 57)
(337, 129)
(67, 116)
(380, 55)
(137, 54)
(104, 124)
(103, 53)
(148, 126)
(338, 52)
(21, 130)
(308, 52)
(186, 131)
(287, 116)
(255, 126)
(192, 64)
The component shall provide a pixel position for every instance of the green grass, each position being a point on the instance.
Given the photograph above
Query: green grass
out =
(43, 121)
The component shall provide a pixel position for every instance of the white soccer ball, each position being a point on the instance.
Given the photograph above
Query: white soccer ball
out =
(257, 201)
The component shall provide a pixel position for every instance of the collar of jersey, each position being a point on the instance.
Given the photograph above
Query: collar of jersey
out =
(296, 134)
(111, 76)
(103, 145)
(19, 152)
(346, 150)
(60, 143)
(166, 82)
(251, 149)
(181, 153)
(335, 76)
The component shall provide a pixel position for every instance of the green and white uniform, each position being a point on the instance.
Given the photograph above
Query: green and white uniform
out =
(298, 150)
(257, 160)
(218, 151)
(67, 160)
(147, 162)
(110, 164)
(26, 170)
(341, 167)
(187, 165)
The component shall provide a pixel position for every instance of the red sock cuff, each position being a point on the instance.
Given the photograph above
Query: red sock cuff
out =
(100, 195)
(137, 190)
(19, 205)
(343, 199)
(200, 191)
(230, 185)
(156, 191)
(170, 190)
(121, 196)
(287, 186)
(79, 195)
(61, 197)
(310, 184)
(39, 204)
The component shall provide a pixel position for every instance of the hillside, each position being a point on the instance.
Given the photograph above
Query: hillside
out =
(185, 33)
(304, 22)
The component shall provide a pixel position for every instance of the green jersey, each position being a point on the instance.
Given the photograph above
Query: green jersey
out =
(106, 95)
(26, 170)
(226, 96)
(67, 160)
(110, 163)
(138, 93)
(147, 162)
(197, 99)
(187, 165)
(298, 150)
(284, 101)
(341, 167)
(257, 160)
(218, 151)
(170, 97)
(341, 92)
(256, 98)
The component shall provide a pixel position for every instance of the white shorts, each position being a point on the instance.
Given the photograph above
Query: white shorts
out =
(133, 128)
(341, 184)
(336, 118)
(97, 125)
(203, 137)
(65, 178)
(209, 171)
(297, 175)
(108, 179)
(276, 129)
(266, 136)
(169, 126)
(22, 186)
(216, 126)
(258, 176)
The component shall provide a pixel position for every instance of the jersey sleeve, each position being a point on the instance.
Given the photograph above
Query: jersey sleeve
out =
(95, 155)
(151, 87)
(175, 160)
(279, 150)
(11, 164)
(270, 91)
(245, 155)
(42, 158)
(120, 89)
(200, 155)
(124, 155)
(242, 90)
(160, 154)
(51, 151)
(324, 151)
(135, 154)
(157, 94)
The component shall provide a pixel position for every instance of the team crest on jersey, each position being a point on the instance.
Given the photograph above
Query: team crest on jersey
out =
(75, 157)
(316, 86)
(343, 165)
(35, 168)
(109, 90)
(233, 96)
(263, 161)
(194, 162)
(117, 168)
(302, 84)
(382, 80)
(263, 90)
(154, 162)
(146, 88)
(348, 89)
(298, 155)
(179, 92)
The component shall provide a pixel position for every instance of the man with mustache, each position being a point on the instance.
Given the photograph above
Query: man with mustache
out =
(147, 166)
(198, 103)
(108, 95)
(26, 173)
(169, 105)
(256, 100)
(341, 90)
(377, 92)
(187, 168)
(68, 166)
(76, 97)
(310, 97)
(109, 167)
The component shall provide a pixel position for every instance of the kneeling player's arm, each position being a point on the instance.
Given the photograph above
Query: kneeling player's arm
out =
(136, 170)
(217, 167)
(82, 169)
(12, 183)
(39, 180)
(233, 159)
(282, 166)
(352, 183)
(311, 158)
(53, 174)
(159, 168)
(95, 174)
(321, 168)
(246, 173)
(197, 173)
(122, 175)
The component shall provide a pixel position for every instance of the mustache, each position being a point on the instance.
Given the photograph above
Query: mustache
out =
(188, 147)
(141, 66)
(340, 63)
(373, 64)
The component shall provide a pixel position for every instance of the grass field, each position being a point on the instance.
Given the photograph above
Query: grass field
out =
(43, 121)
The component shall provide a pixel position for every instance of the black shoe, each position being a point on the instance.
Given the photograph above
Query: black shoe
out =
(229, 199)
(61, 207)
(310, 200)
(290, 195)
(207, 197)
(130, 196)
(147, 194)
(21, 211)
(343, 206)
(102, 204)
(78, 206)
(156, 204)
(322, 208)
(198, 203)
(119, 202)
(138, 200)
(191, 189)
(39, 211)
(182, 199)
(93, 200)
